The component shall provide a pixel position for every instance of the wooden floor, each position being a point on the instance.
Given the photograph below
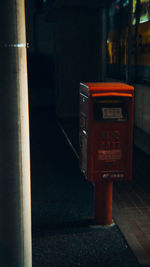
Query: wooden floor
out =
(131, 200)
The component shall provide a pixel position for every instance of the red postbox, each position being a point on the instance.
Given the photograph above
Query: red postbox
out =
(106, 126)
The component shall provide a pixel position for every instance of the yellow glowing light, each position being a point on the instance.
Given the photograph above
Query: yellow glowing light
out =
(134, 5)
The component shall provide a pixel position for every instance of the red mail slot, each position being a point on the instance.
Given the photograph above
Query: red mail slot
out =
(106, 126)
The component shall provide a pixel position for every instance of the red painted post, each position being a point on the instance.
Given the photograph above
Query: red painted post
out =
(106, 130)
(103, 202)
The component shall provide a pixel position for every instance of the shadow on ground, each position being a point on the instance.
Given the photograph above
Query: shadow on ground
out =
(62, 206)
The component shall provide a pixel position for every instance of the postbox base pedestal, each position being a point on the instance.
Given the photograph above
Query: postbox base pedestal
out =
(103, 202)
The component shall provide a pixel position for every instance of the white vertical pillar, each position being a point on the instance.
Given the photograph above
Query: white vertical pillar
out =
(15, 194)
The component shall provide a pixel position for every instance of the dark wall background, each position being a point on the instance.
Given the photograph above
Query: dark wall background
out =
(76, 55)
(65, 49)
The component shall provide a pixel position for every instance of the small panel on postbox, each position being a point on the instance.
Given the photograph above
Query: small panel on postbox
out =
(106, 131)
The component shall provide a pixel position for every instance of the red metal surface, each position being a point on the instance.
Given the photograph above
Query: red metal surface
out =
(108, 86)
(111, 94)
(103, 202)
(105, 145)
(106, 123)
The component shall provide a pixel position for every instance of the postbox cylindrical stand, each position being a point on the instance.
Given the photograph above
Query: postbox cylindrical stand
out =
(103, 202)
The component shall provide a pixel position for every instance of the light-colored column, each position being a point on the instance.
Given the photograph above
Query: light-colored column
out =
(15, 194)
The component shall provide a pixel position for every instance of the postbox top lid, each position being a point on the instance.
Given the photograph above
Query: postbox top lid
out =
(108, 86)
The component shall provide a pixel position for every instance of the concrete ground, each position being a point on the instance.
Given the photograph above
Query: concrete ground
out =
(62, 206)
